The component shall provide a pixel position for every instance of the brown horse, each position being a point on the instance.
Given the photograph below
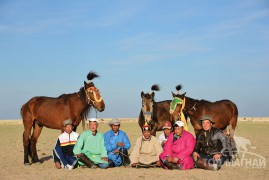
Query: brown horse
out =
(223, 112)
(51, 112)
(154, 113)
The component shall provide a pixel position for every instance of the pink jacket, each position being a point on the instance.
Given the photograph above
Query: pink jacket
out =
(181, 148)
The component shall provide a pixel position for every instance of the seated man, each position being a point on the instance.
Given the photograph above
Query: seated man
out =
(210, 145)
(117, 144)
(146, 151)
(167, 129)
(90, 147)
(63, 151)
(178, 149)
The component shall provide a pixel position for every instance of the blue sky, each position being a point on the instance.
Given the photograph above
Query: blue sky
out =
(215, 49)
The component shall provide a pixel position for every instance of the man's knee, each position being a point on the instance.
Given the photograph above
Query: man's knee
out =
(103, 165)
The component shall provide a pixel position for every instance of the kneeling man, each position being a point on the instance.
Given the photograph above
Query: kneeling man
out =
(178, 149)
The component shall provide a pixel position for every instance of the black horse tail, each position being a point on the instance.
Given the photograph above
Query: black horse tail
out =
(155, 87)
(92, 75)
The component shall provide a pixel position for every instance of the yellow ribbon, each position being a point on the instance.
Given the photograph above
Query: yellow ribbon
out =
(182, 117)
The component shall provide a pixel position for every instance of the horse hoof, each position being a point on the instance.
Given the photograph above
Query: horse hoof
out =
(27, 164)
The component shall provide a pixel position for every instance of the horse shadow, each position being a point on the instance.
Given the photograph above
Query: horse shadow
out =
(46, 158)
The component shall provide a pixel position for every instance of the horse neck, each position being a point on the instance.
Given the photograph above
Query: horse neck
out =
(191, 105)
(81, 105)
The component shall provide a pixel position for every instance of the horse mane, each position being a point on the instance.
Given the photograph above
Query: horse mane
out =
(92, 75)
(83, 97)
(148, 96)
(155, 87)
(63, 95)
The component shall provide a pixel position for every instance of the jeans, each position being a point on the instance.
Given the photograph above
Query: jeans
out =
(210, 160)
(103, 165)
(64, 159)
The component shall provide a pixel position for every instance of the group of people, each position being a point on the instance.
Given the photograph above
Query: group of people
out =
(175, 148)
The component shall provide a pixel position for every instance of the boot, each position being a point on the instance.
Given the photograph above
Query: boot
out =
(169, 165)
(125, 158)
(201, 163)
(87, 161)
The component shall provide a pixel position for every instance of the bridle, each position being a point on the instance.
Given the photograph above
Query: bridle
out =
(193, 107)
(96, 93)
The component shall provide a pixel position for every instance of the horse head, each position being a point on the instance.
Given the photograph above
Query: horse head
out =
(176, 106)
(148, 103)
(93, 95)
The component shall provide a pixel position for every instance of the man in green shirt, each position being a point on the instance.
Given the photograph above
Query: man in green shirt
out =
(90, 148)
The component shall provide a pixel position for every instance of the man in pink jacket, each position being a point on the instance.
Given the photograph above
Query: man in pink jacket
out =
(178, 149)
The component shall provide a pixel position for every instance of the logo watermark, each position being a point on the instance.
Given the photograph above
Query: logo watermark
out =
(244, 157)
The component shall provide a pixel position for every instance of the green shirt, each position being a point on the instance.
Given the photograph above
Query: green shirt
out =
(92, 146)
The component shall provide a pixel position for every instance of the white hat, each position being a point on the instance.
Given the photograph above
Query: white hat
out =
(114, 121)
(93, 120)
(179, 123)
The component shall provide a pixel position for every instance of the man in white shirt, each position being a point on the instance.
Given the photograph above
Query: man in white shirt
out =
(167, 129)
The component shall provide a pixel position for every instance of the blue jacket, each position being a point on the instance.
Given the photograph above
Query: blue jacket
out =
(111, 141)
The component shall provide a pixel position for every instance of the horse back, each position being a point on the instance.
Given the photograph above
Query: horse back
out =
(223, 112)
(47, 111)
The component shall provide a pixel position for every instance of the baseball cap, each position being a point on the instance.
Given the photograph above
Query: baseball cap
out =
(179, 123)
(167, 125)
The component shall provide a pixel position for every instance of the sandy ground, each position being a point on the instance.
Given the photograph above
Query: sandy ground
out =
(252, 164)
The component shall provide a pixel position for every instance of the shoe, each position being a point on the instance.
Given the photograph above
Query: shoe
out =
(68, 167)
(58, 165)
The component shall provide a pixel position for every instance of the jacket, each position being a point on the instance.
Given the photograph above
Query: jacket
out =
(210, 142)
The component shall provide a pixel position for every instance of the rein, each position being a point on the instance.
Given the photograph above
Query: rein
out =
(193, 107)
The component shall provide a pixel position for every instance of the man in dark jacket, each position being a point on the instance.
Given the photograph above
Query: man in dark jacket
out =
(63, 151)
(210, 145)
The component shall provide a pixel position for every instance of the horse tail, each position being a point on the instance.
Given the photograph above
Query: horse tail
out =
(233, 121)
(83, 124)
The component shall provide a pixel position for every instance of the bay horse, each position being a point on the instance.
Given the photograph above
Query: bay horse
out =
(153, 113)
(51, 112)
(223, 112)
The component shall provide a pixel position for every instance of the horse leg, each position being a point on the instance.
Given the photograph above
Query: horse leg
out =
(154, 129)
(26, 143)
(36, 132)
(27, 123)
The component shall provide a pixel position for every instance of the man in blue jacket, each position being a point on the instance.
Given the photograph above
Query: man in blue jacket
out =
(117, 145)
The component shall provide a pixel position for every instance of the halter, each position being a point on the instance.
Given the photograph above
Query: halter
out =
(96, 93)
(148, 112)
(173, 106)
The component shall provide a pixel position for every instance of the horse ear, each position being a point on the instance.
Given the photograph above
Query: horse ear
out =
(184, 94)
(85, 83)
(152, 95)
(173, 94)
(142, 94)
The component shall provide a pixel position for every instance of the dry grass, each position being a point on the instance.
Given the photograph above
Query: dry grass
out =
(12, 167)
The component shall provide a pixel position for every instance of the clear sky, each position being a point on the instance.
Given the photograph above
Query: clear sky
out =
(215, 49)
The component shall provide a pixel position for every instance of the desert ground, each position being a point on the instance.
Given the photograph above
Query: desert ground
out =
(251, 133)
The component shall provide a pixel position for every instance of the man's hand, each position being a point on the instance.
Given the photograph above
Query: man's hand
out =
(175, 160)
(195, 156)
(116, 151)
(120, 144)
(169, 159)
(78, 155)
(217, 156)
(104, 159)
